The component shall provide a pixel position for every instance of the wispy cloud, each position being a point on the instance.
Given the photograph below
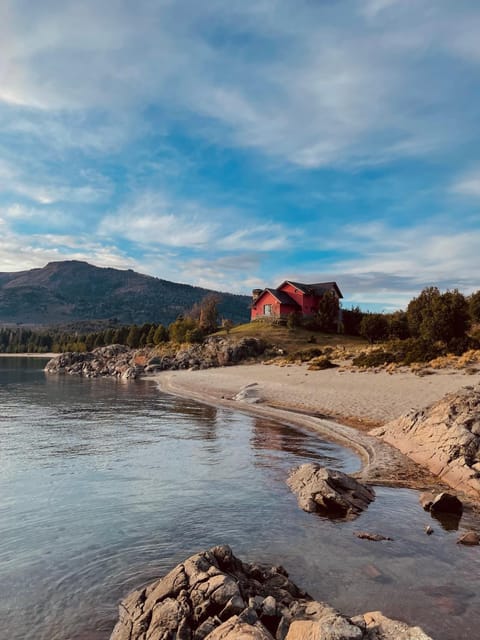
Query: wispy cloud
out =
(232, 143)
(338, 93)
(153, 219)
(468, 184)
(48, 189)
(393, 265)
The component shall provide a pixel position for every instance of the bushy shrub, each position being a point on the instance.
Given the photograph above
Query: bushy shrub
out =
(375, 358)
(320, 363)
(194, 335)
(374, 327)
(306, 355)
(416, 350)
(351, 319)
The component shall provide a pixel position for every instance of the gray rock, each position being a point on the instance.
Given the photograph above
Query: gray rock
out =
(120, 361)
(189, 603)
(328, 492)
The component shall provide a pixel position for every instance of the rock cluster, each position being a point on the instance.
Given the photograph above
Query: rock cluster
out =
(216, 351)
(114, 360)
(329, 492)
(120, 361)
(445, 438)
(215, 596)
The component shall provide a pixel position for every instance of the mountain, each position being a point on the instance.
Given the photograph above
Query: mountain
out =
(72, 291)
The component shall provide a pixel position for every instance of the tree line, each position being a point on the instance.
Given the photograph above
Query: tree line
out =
(432, 318)
(201, 320)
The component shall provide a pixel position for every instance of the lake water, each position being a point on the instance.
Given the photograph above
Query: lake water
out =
(106, 485)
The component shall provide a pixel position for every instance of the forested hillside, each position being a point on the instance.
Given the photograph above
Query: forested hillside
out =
(73, 291)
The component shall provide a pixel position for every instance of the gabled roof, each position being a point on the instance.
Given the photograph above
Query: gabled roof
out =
(281, 296)
(319, 288)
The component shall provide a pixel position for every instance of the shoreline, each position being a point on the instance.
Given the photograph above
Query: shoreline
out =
(284, 395)
(29, 355)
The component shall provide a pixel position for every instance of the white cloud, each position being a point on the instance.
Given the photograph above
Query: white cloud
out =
(265, 237)
(319, 83)
(468, 184)
(153, 219)
(19, 213)
(47, 189)
(28, 251)
(397, 263)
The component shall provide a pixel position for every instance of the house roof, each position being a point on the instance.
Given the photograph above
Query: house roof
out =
(318, 287)
(281, 296)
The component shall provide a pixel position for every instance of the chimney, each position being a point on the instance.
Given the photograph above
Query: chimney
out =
(256, 293)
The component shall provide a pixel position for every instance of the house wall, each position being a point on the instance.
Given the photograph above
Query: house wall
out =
(258, 306)
(309, 304)
(278, 309)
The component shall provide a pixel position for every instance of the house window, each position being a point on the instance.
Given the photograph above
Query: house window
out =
(267, 309)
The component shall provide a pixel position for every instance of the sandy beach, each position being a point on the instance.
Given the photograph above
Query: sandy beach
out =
(342, 405)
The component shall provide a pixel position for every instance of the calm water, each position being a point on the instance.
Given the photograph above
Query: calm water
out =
(106, 485)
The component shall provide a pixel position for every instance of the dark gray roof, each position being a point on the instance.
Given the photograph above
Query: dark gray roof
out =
(318, 287)
(282, 297)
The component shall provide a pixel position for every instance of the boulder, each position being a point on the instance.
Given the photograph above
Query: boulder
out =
(378, 626)
(215, 596)
(250, 394)
(328, 492)
(444, 438)
(446, 503)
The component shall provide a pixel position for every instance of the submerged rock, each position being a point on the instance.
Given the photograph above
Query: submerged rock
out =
(470, 538)
(328, 492)
(215, 596)
(374, 537)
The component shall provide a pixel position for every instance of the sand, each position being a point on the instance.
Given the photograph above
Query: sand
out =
(342, 405)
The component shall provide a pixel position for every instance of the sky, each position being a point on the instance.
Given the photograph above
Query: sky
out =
(233, 145)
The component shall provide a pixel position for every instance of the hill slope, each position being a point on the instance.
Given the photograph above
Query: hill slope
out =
(73, 291)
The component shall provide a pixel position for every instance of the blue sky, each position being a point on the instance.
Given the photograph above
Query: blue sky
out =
(236, 144)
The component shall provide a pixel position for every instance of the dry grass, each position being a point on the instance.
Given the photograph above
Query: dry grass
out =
(298, 339)
(467, 360)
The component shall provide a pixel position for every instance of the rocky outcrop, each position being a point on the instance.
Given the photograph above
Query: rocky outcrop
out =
(120, 361)
(216, 351)
(328, 492)
(115, 360)
(215, 596)
(445, 438)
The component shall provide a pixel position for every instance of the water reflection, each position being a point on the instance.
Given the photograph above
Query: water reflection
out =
(448, 521)
(271, 439)
(105, 486)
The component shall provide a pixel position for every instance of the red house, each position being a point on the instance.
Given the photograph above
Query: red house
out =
(290, 297)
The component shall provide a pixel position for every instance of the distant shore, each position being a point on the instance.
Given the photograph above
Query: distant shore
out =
(341, 405)
(28, 355)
